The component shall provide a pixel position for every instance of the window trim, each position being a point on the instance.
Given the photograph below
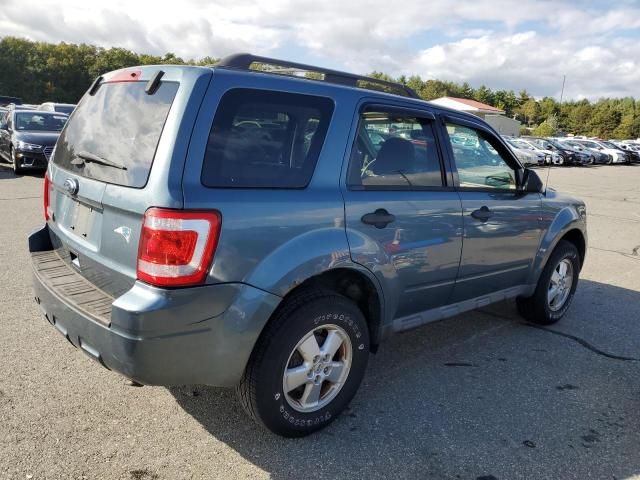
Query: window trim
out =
(330, 117)
(510, 160)
(417, 113)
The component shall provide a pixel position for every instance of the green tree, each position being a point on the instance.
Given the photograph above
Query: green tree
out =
(545, 129)
(548, 107)
(530, 110)
(605, 119)
(484, 95)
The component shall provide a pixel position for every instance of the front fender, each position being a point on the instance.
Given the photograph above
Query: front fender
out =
(560, 222)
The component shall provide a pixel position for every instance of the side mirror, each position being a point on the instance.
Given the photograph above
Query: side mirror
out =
(531, 182)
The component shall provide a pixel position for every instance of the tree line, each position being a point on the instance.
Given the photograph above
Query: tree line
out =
(41, 72)
(38, 72)
(605, 118)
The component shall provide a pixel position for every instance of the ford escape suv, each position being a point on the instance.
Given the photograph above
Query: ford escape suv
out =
(268, 228)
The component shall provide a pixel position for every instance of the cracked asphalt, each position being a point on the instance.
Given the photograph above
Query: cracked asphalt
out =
(481, 396)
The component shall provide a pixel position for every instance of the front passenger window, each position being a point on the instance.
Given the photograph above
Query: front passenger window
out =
(478, 163)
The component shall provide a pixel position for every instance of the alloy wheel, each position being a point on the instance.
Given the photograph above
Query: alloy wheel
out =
(317, 368)
(560, 285)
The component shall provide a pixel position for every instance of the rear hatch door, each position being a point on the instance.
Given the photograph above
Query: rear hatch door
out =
(121, 152)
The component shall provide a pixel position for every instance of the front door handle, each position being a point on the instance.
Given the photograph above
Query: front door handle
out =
(379, 219)
(483, 214)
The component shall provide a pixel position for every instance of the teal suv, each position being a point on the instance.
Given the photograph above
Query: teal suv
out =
(266, 225)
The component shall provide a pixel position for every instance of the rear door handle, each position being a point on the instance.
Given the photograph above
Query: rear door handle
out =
(379, 219)
(483, 214)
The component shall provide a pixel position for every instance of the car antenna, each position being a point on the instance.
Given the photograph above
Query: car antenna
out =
(546, 183)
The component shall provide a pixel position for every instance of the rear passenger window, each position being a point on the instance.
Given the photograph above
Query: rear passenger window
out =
(265, 139)
(394, 151)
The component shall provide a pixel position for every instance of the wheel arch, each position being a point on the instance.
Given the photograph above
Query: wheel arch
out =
(566, 225)
(357, 285)
(577, 238)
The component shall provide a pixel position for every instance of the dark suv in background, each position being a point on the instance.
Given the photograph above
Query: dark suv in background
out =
(246, 228)
(28, 137)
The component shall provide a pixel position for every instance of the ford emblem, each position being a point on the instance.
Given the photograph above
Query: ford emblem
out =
(71, 186)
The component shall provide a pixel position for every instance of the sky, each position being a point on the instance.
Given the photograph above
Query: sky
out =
(515, 45)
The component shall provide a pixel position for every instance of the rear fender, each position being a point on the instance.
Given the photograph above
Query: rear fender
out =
(304, 257)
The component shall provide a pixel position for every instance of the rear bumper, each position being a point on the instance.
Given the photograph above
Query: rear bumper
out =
(200, 335)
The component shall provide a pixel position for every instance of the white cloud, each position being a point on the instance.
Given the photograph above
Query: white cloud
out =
(501, 43)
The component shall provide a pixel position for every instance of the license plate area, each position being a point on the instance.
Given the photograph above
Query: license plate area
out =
(78, 219)
(82, 219)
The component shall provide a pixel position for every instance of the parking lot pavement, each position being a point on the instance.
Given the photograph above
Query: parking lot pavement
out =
(478, 396)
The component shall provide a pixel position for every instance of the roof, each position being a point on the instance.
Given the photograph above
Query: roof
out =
(466, 105)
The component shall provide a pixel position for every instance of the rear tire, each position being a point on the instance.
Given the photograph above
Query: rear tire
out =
(319, 341)
(556, 287)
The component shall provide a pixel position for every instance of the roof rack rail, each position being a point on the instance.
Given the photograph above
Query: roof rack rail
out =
(243, 61)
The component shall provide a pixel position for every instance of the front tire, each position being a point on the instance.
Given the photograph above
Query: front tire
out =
(14, 161)
(556, 287)
(307, 364)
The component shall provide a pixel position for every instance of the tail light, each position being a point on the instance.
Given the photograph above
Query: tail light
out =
(177, 246)
(45, 196)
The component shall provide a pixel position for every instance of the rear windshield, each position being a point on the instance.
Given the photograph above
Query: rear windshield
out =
(265, 139)
(112, 136)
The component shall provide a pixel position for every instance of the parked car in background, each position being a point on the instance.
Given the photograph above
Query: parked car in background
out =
(27, 138)
(276, 261)
(21, 106)
(4, 100)
(599, 157)
(617, 155)
(569, 155)
(526, 153)
(633, 146)
(579, 148)
(632, 152)
(57, 107)
(556, 158)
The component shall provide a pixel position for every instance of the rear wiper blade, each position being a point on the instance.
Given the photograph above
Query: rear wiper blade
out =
(91, 158)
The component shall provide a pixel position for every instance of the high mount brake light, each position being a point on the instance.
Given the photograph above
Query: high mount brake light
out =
(177, 246)
(124, 76)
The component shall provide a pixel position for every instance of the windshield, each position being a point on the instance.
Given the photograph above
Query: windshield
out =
(555, 144)
(39, 122)
(522, 145)
(610, 145)
(119, 126)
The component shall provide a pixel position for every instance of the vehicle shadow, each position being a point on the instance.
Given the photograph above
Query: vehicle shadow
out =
(6, 172)
(479, 396)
